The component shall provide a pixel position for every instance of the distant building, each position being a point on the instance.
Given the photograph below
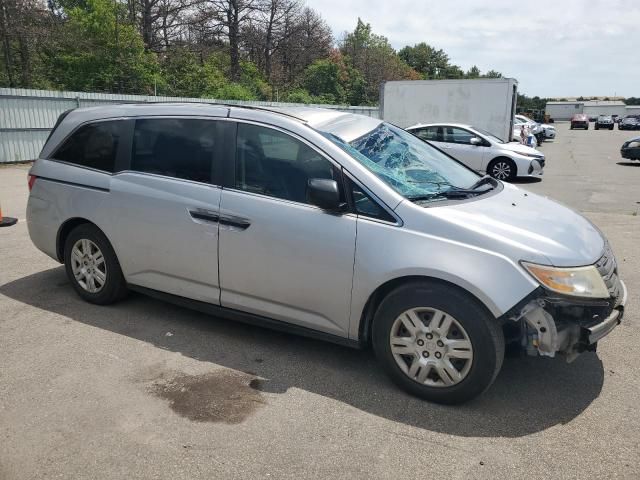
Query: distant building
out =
(592, 108)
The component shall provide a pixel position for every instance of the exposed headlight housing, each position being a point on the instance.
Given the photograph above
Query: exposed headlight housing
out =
(574, 281)
(634, 144)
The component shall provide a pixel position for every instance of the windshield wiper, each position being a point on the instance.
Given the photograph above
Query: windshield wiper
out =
(486, 180)
(453, 193)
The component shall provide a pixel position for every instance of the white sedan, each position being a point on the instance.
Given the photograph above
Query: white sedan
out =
(482, 151)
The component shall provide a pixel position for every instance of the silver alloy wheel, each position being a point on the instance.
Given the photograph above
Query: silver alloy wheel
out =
(88, 265)
(501, 170)
(431, 347)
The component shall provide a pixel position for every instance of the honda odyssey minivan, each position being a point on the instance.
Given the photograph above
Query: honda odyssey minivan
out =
(326, 224)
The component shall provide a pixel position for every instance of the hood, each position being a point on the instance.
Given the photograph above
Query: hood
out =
(520, 148)
(523, 226)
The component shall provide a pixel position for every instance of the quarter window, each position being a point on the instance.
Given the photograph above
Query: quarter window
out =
(175, 147)
(94, 145)
(273, 163)
(367, 206)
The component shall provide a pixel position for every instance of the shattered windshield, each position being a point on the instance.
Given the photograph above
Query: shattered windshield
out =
(407, 164)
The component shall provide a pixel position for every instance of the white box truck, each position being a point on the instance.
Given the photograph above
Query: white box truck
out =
(486, 103)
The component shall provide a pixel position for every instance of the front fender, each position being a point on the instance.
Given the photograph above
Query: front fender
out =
(387, 252)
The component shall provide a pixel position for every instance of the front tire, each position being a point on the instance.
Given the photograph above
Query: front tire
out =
(437, 342)
(92, 266)
(502, 169)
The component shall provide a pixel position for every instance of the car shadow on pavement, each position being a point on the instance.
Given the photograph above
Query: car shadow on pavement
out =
(529, 395)
(629, 164)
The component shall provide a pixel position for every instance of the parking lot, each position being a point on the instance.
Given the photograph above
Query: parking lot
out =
(144, 389)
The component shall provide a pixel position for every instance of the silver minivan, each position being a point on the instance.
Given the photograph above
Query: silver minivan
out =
(326, 224)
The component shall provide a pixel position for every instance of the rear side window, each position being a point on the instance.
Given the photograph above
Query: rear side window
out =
(175, 147)
(94, 145)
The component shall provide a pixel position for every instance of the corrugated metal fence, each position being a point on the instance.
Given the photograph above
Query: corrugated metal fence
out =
(27, 116)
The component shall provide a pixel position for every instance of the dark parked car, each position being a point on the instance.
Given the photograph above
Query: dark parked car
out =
(604, 121)
(631, 149)
(580, 120)
(629, 123)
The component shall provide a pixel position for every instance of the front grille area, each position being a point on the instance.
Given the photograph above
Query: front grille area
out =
(608, 268)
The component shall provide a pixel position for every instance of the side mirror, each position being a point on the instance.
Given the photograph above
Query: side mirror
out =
(476, 141)
(323, 193)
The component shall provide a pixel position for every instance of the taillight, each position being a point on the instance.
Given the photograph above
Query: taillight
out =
(31, 181)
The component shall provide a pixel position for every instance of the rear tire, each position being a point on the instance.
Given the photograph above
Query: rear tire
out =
(452, 350)
(502, 168)
(92, 266)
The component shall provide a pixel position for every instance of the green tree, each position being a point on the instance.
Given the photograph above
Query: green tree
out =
(182, 74)
(473, 72)
(322, 78)
(99, 52)
(374, 57)
(426, 60)
(492, 74)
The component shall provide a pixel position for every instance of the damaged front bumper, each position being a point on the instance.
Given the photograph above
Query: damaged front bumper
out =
(551, 325)
(546, 323)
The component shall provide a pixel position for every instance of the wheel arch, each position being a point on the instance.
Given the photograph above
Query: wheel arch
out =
(366, 317)
(65, 229)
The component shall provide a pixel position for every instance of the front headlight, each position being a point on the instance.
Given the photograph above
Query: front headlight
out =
(634, 144)
(574, 281)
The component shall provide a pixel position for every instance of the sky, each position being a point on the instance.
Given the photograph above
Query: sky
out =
(554, 48)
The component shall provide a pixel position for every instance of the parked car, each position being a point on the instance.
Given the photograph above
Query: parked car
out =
(534, 127)
(629, 123)
(580, 120)
(549, 131)
(631, 149)
(482, 151)
(251, 214)
(604, 121)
